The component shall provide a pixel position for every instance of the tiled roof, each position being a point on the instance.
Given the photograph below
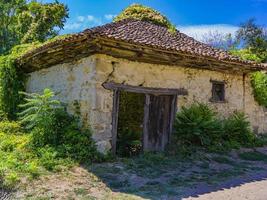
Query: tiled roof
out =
(150, 35)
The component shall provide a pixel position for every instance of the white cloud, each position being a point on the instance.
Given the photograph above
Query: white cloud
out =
(198, 31)
(109, 16)
(80, 18)
(72, 26)
(82, 22)
(94, 20)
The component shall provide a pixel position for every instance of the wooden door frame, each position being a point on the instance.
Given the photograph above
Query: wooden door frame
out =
(116, 87)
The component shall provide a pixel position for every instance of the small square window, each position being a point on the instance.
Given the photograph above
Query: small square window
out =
(218, 91)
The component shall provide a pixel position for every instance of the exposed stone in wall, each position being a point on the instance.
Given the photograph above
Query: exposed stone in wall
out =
(79, 85)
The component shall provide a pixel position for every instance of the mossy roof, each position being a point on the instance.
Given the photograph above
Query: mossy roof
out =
(130, 31)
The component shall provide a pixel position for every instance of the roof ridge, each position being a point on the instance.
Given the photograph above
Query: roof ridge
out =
(146, 33)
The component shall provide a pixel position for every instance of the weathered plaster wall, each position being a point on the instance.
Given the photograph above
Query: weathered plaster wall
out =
(79, 85)
(196, 81)
(74, 84)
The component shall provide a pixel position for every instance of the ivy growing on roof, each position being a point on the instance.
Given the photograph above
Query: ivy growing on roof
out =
(144, 13)
(12, 78)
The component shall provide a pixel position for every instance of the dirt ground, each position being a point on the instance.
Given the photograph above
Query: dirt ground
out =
(236, 176)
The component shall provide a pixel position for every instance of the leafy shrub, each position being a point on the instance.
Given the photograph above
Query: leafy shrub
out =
(236, 129)
(140, 12)
(10, 127)
(246, 54)
(48, 157)
(18, 159)
(52, 127)
(197, 125)
(259, 85)
(38, 109)
(11, 179)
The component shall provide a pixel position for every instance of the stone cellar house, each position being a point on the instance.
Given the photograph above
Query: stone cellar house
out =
(88, 71)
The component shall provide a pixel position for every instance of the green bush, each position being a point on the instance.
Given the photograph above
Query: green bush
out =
(197, 125)
(236, 129)
(38, 110)
(51, 126)
(259, 85)
(140, 12)
(10, 127)
(246, 54)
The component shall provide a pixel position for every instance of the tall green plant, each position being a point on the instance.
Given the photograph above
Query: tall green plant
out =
(51, 126)
(38, 109)
(237, 129)
(197, 125)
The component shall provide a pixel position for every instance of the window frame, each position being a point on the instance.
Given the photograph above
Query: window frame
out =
(213, 83)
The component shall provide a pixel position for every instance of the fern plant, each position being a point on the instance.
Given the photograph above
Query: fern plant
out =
(237, 129)
(197, 125)
(38, 109)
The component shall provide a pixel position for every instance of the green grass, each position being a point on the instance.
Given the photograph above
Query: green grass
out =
(253, 156)
(18, 160)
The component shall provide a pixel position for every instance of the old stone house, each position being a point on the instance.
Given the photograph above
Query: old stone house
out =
(89, 70)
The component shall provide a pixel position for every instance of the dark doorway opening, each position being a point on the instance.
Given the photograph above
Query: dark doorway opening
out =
(153, 113)
(130, 123)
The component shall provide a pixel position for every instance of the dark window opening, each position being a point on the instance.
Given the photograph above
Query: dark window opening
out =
(218, 91)
(130, 124)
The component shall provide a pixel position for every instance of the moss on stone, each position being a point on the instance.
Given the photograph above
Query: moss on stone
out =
(140, 12)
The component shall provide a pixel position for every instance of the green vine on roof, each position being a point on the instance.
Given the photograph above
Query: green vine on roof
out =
(140, 12)
(12, 78)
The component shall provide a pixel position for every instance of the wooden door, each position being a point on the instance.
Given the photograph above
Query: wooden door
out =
(158, 117)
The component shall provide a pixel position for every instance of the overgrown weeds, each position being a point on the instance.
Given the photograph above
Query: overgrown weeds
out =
(46, 139)
(200, 126)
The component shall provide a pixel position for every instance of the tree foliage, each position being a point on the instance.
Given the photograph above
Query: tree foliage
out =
(219, 40)
(140, 12)
(253, 37)
(24, 21)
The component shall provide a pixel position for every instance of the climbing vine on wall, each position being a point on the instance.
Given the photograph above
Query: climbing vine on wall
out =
(11, 80)
(259, 85)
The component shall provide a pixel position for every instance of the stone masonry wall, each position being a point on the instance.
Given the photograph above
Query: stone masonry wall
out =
(79, 85)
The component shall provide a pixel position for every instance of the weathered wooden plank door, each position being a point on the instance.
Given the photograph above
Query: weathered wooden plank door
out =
(158, 118)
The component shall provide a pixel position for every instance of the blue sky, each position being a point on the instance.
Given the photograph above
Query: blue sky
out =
(194, 17)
